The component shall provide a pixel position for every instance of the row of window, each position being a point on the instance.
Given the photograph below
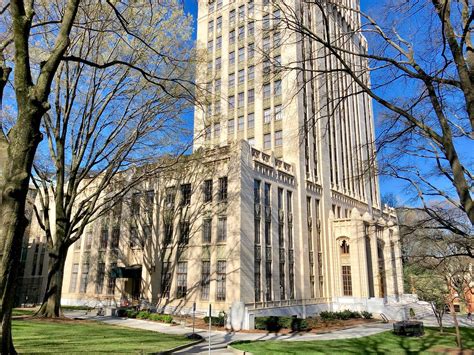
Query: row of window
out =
(99, 282)
(182, 280)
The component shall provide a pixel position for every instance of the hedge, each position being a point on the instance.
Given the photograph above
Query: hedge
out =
(215, 321)
(342, 315)
(274, 323)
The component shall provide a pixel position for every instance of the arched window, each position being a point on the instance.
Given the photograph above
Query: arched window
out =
(344, 247)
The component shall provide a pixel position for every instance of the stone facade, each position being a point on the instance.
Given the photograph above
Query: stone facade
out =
(273, 221)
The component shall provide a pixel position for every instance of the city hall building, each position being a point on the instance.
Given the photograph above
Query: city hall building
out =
(277, 211)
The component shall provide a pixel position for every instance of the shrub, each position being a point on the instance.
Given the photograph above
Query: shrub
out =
(216, 321)
(342, 315)
(325, 315)
(131, 313)
(143, 315)
(274, 323)
(165, 318)
(367, 315)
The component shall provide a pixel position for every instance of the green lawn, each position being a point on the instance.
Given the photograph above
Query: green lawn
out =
(23, 312)
(383, 343)
(36, 336)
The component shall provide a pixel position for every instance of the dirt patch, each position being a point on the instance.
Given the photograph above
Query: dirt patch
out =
(452, 351)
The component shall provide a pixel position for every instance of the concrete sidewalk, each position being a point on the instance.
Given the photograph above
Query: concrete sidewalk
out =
(220, 339)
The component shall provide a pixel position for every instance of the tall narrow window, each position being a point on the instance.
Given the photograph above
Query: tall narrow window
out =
(267, 141)
(250, 120)
(73, 282)
(268, 279)
(182, 279)
(170, 197)
(134, 239)
(231, 126)
(206, 230)
(207, 191)
(185, 194)
(166, 279)
(104, 237)
(205, 279)
(111, 280)
(135, 206)
(84, 278)
(221, 276)
(115, 238)
(168, 232)
(100, 278)
(184, 232)
(346, 280)
(223, 188)
(222, 229)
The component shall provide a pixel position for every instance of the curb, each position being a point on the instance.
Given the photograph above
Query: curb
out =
(237, 351)
(178, 348)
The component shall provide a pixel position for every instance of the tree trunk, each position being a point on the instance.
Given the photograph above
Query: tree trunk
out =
(23, 141)
(51, 306)
(456, 325)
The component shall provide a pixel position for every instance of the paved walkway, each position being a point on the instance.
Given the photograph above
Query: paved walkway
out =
(220, 339)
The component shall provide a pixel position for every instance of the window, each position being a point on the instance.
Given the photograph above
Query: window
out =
(241, 12)
(232, 57)
(206, 230)
(219, 4)
(147, 234)
(266, 91)
(150, 203)
(84, 278)
(166, 279)
(209, 66)
(251, 96)
(232, 16)
(222, 189)
(256, 191)
(210, 45)
(185, 194)
(241, 33)
(278, 114)
(232, 37)
(241, 123)
(231, 80)
(251, 73)
(77, 245)
(170, 194)
(221, 229)
(100, 278)
(268, 280)
(241, 99)
(217, 130)
(250, 8)
(266, 22)
(276, 39)
(217, 105)
(241, 76)
(210, 27)
(251, 50)
(134, 239)
(276, 18)
(345, 247)
(267, 115)
(251, 121)
(217, 89)
(266, 66)
(266, 44)
(231, 101)
(221, 276)
(182, 276)
(278, 138)
(241, 54)
(218, 43)
(218, 63)
(277, 63)
(111, 280)
(251, 29)
(251, 142)
(115, 238)
(184, 232)
(205, 279)
(267, 141)
(168, 232)
(104, 238)
(346, 281)
(230, 126)
(219, 24)
(207, 190)
(277, 88)
(72, 284)
(257, 281)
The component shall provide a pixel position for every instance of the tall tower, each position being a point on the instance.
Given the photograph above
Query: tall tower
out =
(345, 244)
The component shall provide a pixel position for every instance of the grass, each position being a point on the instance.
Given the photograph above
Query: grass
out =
(383, 343)
(23, 312)
(68, 337)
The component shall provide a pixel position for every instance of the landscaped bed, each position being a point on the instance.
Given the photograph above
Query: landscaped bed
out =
(74, 336)
(383, 343)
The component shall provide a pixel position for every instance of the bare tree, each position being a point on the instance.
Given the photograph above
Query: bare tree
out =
(106, 121)
(35, 39)
(421, 63)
